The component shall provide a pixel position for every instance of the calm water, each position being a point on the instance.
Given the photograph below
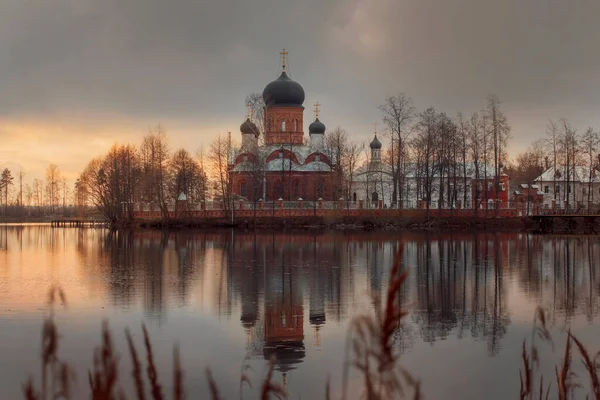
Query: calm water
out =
(226, 296)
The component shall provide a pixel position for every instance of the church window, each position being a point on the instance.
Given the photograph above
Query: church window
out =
(269, 125)
(354, 196)
(243, 188)
(283, 125)
(320, 188)
(374, 197)
(295, 125)
(546, 189)
(317, 158)
(280, 154)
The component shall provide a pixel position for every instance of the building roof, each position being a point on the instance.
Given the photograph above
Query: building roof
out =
(278, 164)
(283, 91)
(375, 143)
(578, 173)
(374, 168)
(317, 127)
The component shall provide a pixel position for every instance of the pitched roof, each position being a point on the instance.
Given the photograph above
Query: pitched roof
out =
(578, 173)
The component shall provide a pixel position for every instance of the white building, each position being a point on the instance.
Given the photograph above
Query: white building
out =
(574, 182)
(373, 181)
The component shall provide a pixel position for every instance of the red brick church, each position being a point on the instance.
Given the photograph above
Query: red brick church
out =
(284, 166)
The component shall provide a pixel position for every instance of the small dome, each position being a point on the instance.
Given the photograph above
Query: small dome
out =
(249, 127)
(283, 91)
(316, 127)
(375, 144)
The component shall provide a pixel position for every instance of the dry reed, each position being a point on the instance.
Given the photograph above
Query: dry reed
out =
(370, 350)
(566, 379)
(151, 370)
(371, 346)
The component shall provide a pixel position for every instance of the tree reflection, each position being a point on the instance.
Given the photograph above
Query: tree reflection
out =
(458, 285)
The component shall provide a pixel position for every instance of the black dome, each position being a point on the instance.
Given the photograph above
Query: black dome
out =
(249, 127)
(375, 144)
(316, 127)
(283, 91)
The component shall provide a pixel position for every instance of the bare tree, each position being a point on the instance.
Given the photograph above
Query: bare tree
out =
(185, 177)
(349, 164)
(203, 189)
(218, 159)
(21, 175)
(500, 130)
(6, 180)
(463, 145)
(398, 113)
(476, 140)
(256, 104)
(53, 179)
(111, 182)
(425, 145)
(569, 143)
(589, 143)
(552, 144)
(38, 192)
(155, 162)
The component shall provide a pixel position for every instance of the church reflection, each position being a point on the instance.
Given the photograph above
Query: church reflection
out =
(286, 289)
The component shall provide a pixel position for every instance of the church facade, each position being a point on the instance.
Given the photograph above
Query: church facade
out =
(372, 184)
(281, 165)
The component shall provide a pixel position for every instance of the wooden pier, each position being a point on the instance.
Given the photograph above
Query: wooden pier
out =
(79, 223)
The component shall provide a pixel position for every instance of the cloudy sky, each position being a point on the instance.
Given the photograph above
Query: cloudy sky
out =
(78, 75)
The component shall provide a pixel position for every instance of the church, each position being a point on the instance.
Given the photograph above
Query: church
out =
(281, 164)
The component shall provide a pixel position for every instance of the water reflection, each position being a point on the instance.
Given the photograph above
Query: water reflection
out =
(467, 286)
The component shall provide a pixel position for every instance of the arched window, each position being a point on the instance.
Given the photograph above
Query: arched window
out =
(296, 125)
(354, 196)
(243, 188)
(374, 197)
(283, 125)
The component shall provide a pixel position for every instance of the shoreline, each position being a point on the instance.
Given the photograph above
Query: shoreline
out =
(576, 225)
(346, 224)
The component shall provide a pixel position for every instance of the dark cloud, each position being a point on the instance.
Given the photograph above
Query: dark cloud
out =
(196, 60)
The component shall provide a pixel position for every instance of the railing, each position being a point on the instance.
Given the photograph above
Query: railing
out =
(321, 204)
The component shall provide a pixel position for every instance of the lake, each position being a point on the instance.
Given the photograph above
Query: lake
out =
(228, 296)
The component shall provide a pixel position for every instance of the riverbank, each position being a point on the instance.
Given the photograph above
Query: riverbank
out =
(347, 224)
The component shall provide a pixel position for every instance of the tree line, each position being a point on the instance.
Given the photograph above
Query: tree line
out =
(41, 197)
(427, 154)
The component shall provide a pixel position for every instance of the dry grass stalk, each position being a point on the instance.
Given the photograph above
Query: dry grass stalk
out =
(178, 392)
(103, 378)
(137, 368)
(54, 372)
(244, 378)
(269, 387)
(214, 391)
(151, 370)
(372, 349)
(591, 365)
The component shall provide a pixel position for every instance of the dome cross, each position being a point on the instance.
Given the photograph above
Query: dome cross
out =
(283, 59)
(317, 109)
(249, 111)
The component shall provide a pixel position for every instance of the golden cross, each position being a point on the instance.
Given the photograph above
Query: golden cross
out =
(249, 108)
(317, 107)
(283, 58)
(375, 127)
